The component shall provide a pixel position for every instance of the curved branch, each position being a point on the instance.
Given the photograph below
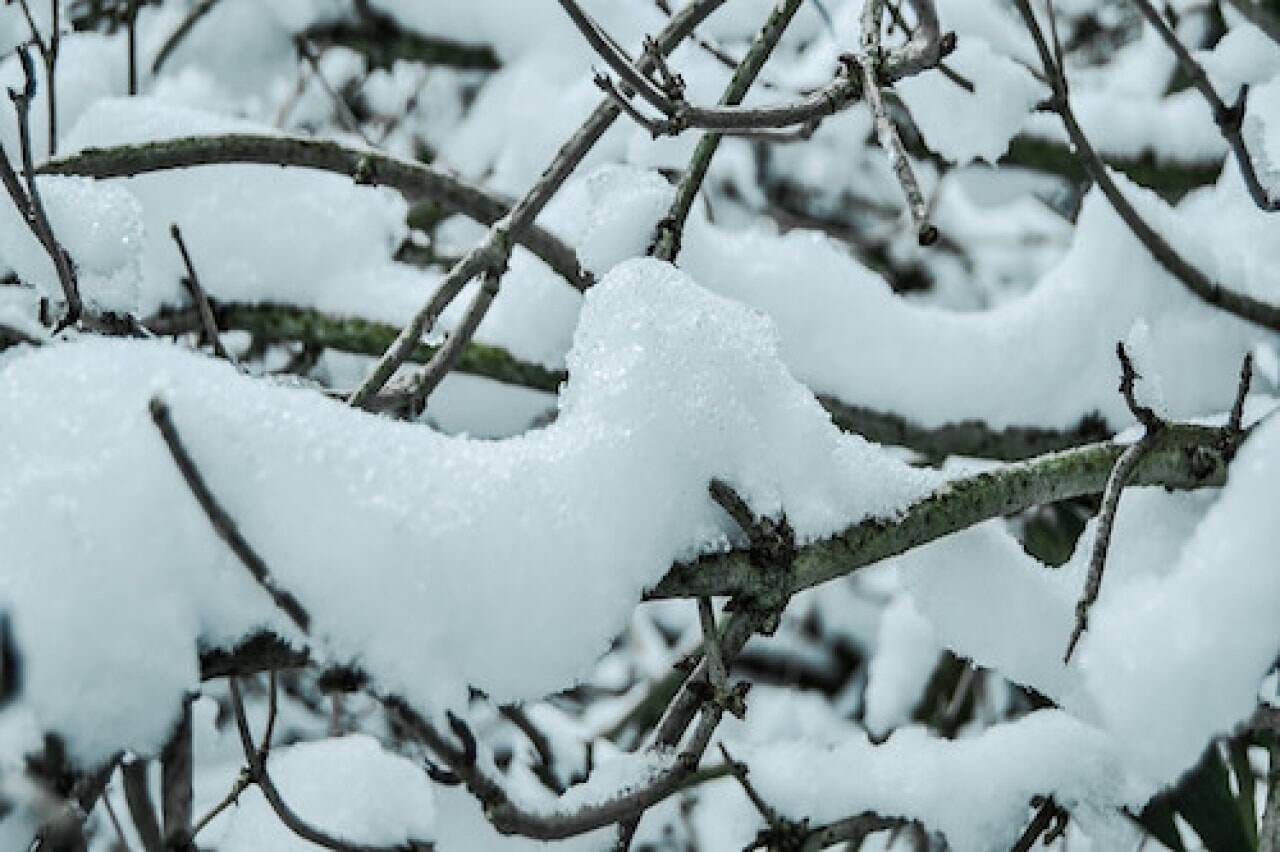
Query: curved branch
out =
(414, 180)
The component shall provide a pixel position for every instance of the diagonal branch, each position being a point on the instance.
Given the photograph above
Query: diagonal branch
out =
(1230, 119)
(1181, 457)
(1240, 304)
(223, 524)
(492, 253)
(666, 241)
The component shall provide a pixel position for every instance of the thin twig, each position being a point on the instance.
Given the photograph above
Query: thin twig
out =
(131, 37)
(622, 65)
(28, 201)
(1235, 422)
(115, 824)
(1208, 290)
(198, 11)
(670, 230)
(1116, 483)
(1230, 119)
(176, 781)
(1041, 825)
(223, 524)
(198, 298)
(137, 796)
(48, 49)
(886, 130)
(711, 644)
(346, 117)
(448, 355)
(287, 816)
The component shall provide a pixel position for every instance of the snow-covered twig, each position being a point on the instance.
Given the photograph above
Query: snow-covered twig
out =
(1181, 457)
(48, 49)
(492, 253)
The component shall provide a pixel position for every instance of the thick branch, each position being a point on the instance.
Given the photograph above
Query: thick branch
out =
(1181, 457)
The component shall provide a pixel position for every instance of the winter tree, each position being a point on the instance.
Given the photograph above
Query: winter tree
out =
(639, 424)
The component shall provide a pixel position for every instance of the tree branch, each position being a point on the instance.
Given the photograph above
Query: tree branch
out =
(414, 180)
(1230, 119)
(1180, 457)
(223, 524)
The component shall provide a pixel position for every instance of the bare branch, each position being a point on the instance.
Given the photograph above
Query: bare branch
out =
(199, 299)
(667, 237)
(1210, 291)
(1230, 119)
(1181, 456)
(448, 355)
(414, 180)
(223, 524)
(258, 771)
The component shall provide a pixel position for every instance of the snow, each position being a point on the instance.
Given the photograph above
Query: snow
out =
(346, 786)
(963, 126)
(1180, 594)
(464, 549)
(906, 656)
(503, 542)
(103, 223)
(975, 790)
(1208, 616)
(1262, 133)
(257, 233)
(1047, 358)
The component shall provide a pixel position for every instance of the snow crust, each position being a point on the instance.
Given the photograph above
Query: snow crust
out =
(395, 537)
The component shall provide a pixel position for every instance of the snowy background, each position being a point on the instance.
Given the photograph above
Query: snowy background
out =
(493, 556)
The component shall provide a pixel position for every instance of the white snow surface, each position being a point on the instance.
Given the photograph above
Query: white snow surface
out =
(961, 125)
(1180, 615)
(395, 537)
(975, 790)
(346, 786)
